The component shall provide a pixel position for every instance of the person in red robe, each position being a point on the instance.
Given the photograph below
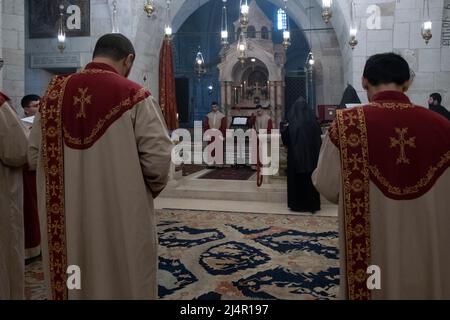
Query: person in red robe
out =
(387, 165)
(30, 105)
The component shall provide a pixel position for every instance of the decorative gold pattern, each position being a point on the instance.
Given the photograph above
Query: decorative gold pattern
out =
(84, 99)
(353, 144)
(422, 183)
(125, 104)
(53, 158)
(392, 105)
(353, 140)
(402, 142)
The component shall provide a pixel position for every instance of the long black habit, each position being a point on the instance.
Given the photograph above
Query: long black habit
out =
(303, 137)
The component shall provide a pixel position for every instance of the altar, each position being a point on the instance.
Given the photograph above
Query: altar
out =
(257, 80)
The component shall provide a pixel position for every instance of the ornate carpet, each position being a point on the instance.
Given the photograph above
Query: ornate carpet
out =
(229, 174)
(215, 255)
(189, 169)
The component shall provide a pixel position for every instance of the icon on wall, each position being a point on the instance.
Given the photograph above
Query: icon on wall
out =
(44, 18)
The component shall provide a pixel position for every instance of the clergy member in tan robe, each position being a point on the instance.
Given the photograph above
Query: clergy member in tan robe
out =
(103, 154)
(13, 156)
(216, 120)
(387, 165)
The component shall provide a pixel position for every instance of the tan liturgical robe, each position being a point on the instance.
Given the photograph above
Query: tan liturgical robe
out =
(215, 120)
(13, 156)
(116, 156)
(394, 203)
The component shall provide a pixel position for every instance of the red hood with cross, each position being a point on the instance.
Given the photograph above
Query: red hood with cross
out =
(408, 145)
(93, 100)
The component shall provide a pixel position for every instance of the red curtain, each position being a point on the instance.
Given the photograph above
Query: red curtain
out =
(167, 96)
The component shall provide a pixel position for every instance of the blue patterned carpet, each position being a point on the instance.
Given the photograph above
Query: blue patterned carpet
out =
(214, 255)
(211, 255)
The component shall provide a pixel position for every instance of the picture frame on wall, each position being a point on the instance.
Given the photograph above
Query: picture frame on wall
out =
(44, 18)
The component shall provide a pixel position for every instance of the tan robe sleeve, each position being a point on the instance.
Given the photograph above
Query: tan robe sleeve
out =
(327, 177)
(13, 139)
(154, 145)
(34, 143)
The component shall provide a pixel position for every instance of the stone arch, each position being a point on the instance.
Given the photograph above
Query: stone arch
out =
(257, 52)
(149, 36)
(251, 32)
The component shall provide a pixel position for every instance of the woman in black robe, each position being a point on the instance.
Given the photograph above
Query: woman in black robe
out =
(302, 135)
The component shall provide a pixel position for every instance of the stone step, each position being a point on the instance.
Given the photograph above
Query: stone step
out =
(192, 188)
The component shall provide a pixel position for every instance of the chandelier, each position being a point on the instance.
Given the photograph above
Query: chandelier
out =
(286, 32)
(115, 25)
(353, 42)
(199, 67)
(310, 61)
(242, 47)
(327, 13)
(224, 29)
(244, 11)
(61, 31)
(427, 26)
(149, 7)
(168, 27)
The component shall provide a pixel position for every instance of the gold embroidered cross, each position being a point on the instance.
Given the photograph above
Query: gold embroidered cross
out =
(52, 149)
(351, 117)
(56, 227)
(50, 112)
(83, 100)
(358, 206)
(355, 160)
(403, 142)
(359, 250)
(54, 188)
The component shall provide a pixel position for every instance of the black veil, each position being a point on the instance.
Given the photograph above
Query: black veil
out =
(350, 97)
(305, 136)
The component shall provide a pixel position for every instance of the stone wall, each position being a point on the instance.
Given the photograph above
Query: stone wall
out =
(400, 31)
(36, 78)
(337, 63)
(12, 49)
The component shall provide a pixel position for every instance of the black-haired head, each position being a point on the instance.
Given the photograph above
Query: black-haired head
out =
(114, 46)
(436, 97)
(30, 104)
(387, 68)
(28, 99)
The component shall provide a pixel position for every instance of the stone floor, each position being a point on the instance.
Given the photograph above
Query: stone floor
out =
(192, 193)
(328, 210)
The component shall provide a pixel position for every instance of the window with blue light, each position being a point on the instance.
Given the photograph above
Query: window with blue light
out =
(281, 19)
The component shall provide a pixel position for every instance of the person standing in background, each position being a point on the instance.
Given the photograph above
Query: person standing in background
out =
(303, 137)
(30, 105)
(434, 102)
